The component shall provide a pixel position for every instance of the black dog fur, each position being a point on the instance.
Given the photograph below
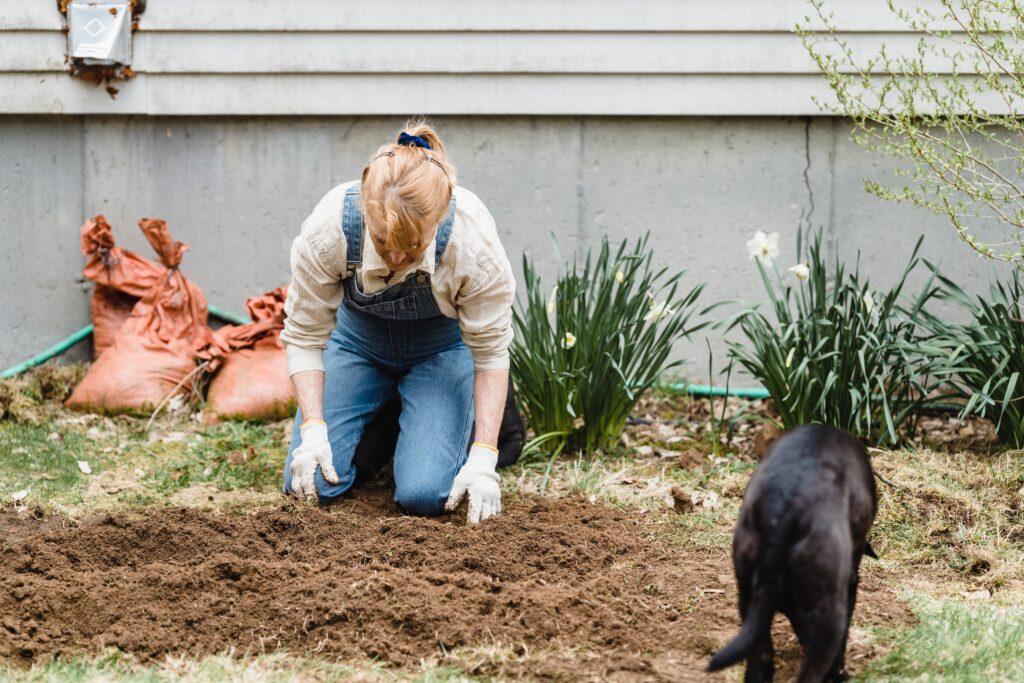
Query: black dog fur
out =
(801, 534)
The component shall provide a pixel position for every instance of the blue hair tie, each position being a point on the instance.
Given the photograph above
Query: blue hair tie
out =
(413, 140)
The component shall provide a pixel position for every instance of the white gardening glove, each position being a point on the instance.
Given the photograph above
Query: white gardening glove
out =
(479, 479)
(314, 451)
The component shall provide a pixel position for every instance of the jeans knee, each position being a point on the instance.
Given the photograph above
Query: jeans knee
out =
(423, 500)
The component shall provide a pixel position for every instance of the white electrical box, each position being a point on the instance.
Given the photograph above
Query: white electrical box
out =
(100, 31)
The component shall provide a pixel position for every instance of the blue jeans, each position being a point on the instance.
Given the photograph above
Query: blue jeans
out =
(366, 361)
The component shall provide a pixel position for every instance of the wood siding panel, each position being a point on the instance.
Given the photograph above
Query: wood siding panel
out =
(513, 15)
(654, 57)
(512, 53)
(456, 53)
(298, 94)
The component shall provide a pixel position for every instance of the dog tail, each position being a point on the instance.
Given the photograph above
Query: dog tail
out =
(767, 586)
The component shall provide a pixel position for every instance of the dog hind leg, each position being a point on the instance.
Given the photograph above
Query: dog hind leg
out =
(761, 661)
(838, 672)
(822, 643)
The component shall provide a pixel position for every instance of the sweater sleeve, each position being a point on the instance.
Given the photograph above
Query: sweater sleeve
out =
(485, 313)
(316, 290)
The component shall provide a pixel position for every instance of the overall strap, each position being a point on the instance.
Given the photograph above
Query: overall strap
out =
(444, 231)
(352, 226)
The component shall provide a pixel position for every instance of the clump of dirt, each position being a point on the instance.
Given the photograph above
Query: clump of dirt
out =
(34, 396)
(359, 580)
(949, 432)
(15, 404)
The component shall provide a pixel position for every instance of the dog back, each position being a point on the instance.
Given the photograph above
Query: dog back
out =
(801, 531)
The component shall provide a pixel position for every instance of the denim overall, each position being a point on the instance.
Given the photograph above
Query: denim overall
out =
(396, 340)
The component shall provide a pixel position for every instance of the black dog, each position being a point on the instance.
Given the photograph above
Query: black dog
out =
(799, 541)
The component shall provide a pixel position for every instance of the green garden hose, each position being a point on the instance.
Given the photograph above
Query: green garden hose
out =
(714, 390)
(58, 348)
(228, 315)
(676, 387)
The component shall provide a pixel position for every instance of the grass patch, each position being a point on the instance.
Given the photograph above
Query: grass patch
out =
(131, 467)
(954, 642)
(961, 511)
(34, 396)
(113, 666)
(47, 466)
(230, 456)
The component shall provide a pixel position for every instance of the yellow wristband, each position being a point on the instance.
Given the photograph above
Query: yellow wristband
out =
(312, 421)
(483, 445)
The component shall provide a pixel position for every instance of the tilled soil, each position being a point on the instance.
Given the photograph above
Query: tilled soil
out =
(575, 590)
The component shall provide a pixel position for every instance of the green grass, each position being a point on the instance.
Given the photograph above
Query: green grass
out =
(958, 512)
(204, 458)
(955, 642)
(32, 460)
(114, 666)
(132, 468)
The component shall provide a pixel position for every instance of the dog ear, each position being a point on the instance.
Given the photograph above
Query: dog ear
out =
(869, 551)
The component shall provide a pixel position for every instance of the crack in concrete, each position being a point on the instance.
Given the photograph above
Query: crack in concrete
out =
(581, 199)
(807, 167)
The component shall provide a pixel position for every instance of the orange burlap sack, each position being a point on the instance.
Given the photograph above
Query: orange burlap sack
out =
(121, 278)
(251, 380)
(154, 352)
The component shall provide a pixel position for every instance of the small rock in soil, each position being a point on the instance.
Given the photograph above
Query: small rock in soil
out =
(681, 500)
(763, 438)
(237, 458)
(691, 458)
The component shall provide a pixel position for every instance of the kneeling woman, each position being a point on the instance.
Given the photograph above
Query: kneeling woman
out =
(400, 284)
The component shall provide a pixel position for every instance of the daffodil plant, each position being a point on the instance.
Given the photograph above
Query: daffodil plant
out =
(985, 356)
(834, 351)
(585, 350)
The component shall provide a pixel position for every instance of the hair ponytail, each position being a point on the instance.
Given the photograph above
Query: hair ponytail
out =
(422, 129)
(406, 188)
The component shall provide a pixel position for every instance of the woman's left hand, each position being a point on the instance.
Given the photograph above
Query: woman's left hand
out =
(479, 478)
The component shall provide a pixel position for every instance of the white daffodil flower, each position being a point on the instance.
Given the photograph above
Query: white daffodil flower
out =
(569, 340)
(802, 271)
(551, 299)
(657, 312)
(620, 277)
(764, 247)
(869, 301)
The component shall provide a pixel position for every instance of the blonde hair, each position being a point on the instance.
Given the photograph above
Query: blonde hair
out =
(406, 189)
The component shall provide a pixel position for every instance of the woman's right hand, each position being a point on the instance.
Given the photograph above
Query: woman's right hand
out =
(313, 452)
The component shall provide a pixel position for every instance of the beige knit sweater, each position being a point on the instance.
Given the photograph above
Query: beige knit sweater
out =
(473, 282)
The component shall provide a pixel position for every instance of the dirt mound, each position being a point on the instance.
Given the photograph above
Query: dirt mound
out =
(360, 580)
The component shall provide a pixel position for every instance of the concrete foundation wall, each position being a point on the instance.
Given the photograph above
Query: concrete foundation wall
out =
(237, 189)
